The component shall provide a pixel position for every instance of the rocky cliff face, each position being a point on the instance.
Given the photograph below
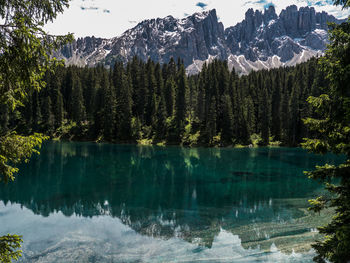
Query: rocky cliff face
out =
(160, 39)
(261, 40)
(263, 35)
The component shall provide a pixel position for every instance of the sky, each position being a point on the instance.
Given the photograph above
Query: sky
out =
(110, 18)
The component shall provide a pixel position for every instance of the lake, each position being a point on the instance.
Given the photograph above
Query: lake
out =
(87, 202)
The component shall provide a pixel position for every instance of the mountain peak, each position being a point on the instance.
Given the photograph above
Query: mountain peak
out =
(269, 14)
(262, 40)
(199, 16)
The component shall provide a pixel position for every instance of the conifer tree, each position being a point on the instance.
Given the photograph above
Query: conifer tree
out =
(192, 100)
(36, 112)
(285, 117)
(26, 51)
(54, 85)
(181, 105)
(48, 123)
(135, 78)
(58, 110)
(151, 103)
(160, 123)
(264, 116)
(90, 93)
(4, 119)
(276, 108)
(67, 89)
(172, 70)
(109, 111)
(227, 125)
(200, 105)
(170, 88)
(331, 132)
(77, 102)
(159, 80)
(260, 102)
(141, 94)
(294, 117)
(210, 129)
(124, 103)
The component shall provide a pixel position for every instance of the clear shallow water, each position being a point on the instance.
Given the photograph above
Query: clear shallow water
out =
(123, 203)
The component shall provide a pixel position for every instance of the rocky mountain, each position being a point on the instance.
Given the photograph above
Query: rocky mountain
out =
(261, 40)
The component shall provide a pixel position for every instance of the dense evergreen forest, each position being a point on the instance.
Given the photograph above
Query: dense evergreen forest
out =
(147, 102)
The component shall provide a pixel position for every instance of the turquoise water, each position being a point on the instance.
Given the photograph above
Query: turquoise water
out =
(86, 202)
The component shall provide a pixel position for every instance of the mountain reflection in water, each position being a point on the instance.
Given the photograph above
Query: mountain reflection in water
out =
(202, 200)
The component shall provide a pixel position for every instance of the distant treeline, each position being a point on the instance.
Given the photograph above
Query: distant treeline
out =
(151, 103)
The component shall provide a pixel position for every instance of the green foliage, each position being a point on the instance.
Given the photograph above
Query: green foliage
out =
(330, 129)
(14, 149)
(145, 141)
(65, 130)
(256, 139)
(227, 125)
(9, 246)
(181, 104)
(26, 47)
(136, 128)
(26, 55)
(160, 120)
(123, 102)
(105, 104)
(273, 142)
(216, 140)
(76, 102)
(189, 138)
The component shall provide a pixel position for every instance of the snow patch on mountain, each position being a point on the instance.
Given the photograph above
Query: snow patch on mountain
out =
(262, 40)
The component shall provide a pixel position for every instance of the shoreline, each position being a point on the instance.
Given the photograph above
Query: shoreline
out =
(146, 142)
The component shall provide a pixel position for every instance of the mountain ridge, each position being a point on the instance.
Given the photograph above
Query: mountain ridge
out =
(262, 40)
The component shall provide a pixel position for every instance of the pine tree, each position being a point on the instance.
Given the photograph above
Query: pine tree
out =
(109, 111)
(58, 109)
(67, 89)
(4, 119)
(124, 103)
(36, 112)
(77, 102)
(223, 88)
(151, 103)
(170, 88)
(210, 128)
(160, 123)
(141, 94)
(285, 119)
(294, 117)
(26, 52)
(181, 105)
(331, 133)
(260, 102)
(244, 113)
(134, 73)
(48, 123)
(193, 95)
(159, 80)
(172, 70)
(90, 93)
(227, 125)
(276, 108)
(264, 116)
(200, 105)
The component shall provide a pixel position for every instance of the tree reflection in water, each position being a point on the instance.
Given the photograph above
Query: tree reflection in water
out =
(172, 191)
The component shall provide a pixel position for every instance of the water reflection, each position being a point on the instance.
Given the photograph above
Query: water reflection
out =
(170, 192)
(106, 239)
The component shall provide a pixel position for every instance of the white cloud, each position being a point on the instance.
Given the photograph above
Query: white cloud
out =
(113, 17)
